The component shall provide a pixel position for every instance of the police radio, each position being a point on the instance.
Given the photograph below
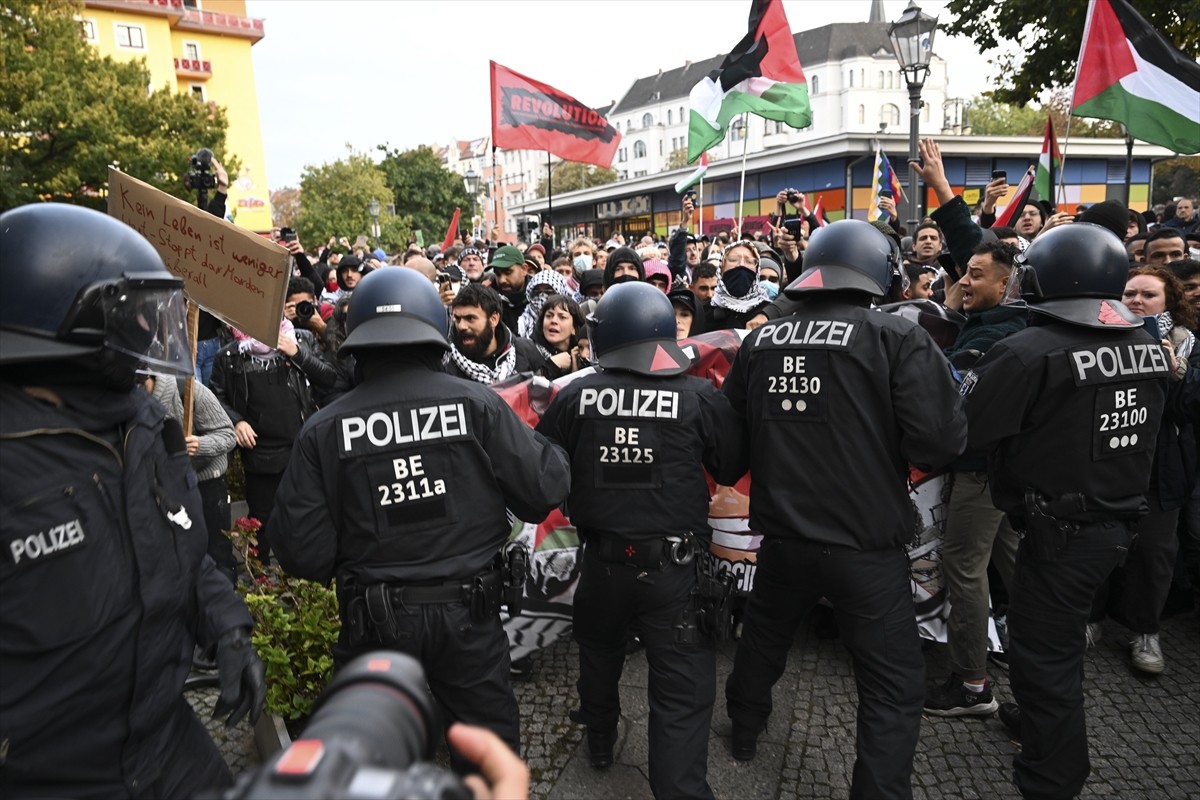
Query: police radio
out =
(372, 735)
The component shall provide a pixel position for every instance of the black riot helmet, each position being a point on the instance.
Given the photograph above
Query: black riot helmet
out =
(633, 329)
(394, 307)
(1074, 273)
(82, 283)
(846, 255)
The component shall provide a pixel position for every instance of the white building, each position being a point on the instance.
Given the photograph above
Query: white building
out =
(855, 87)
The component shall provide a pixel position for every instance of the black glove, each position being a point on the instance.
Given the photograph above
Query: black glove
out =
(242, 677)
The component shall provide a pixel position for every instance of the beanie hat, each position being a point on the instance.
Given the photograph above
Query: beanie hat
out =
(1111, 215)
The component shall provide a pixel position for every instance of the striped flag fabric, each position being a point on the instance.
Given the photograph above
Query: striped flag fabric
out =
(1048, 165)
(762, 76)
(452, 231)
(1013, 210)
(885, 178)
(1129, 73)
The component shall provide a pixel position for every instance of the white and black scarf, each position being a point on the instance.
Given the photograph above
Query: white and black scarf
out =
(506, 366)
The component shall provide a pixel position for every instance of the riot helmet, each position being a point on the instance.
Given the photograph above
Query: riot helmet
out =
(1074, 273)
(846, 255)
(83, 283)
(633, 329)
(393, 307)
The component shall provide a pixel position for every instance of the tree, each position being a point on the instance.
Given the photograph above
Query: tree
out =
(676, 159)
(989, 117)
(570, 176)
(285, 207)
(1176, 177)
(335, 203)
(1044, 38)
(66, 114)
(424, 190)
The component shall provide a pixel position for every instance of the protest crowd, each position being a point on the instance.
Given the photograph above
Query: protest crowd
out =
(318, 417)
(420, 419)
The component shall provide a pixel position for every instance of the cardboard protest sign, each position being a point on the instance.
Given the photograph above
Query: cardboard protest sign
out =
(237, 275)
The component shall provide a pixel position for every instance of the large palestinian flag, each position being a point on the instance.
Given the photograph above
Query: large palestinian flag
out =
(762, 75)
(1129, 73)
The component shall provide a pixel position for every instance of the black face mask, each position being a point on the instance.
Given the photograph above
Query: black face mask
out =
(626, 278)
(738, 281)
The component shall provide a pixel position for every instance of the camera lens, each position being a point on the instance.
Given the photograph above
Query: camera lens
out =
(378, 703)
(305, 309)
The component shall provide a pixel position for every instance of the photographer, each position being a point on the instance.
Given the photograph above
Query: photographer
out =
(302, 309)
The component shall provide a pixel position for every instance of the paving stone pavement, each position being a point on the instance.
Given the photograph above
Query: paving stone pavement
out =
(1144, 731)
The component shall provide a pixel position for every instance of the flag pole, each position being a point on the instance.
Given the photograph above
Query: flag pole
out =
(1062, 162)
(1128, 166)
(700, 197)
(549, 190)
(495, 185)
(742, 190)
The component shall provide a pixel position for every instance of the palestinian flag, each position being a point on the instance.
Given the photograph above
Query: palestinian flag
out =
(762, 76)
(1048, 165)
(1129, 73)
(1013, 211)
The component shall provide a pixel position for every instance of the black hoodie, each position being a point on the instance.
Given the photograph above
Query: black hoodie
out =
(622, 255)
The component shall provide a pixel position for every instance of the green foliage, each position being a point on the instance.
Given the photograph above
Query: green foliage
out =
(333, 202)
(677, 159)
(1176, 177)
(1040, 40)
(570, 176)
(988, 117)
(424, 190)
(66, 114)
(296, 625)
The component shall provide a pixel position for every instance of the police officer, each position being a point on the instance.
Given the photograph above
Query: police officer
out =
(640, 434)
(1071, 407)
(840, 400)
(103, 546)
(399, 491)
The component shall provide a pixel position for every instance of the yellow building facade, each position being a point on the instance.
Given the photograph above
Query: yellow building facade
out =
(202, 48)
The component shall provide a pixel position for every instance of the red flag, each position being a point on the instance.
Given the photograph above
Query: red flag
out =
(1024, 188)
(528, 115)
(449, 240)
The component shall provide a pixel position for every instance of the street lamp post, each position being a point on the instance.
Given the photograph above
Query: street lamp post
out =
(373, 210)
(471, 184)
(912, 41)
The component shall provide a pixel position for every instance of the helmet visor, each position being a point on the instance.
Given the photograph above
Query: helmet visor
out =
(1022, 285)
(146, 317)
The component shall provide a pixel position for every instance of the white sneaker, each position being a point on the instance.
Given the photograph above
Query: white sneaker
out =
(1147, 653)
(1094, 631)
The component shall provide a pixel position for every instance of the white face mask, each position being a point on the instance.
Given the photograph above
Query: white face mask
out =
(582, 262)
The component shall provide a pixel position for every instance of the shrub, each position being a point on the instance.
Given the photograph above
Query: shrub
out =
(296, 625)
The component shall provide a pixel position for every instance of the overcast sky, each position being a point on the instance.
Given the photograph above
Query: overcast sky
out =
(411, 72)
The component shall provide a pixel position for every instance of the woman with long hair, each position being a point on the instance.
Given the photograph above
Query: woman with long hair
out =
(1136, 594)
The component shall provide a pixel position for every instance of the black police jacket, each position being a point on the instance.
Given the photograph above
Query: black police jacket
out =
(106, 580)
(639, 446)
(839, 401)
(406, 478)
(1069, 410)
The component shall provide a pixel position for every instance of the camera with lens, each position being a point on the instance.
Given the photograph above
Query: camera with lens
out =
(201, 176)
(443, 278)
(372, 734)
(793, 196)
(305, 310)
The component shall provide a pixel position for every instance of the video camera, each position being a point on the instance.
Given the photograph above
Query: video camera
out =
(201, 176)
(372, 735)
